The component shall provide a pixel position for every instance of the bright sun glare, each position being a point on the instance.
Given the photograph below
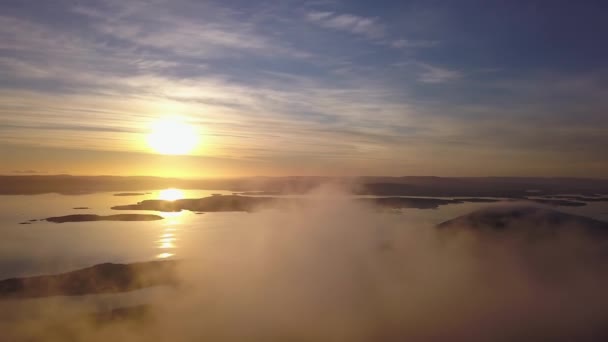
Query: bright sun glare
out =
(170, 194)
(171, 136)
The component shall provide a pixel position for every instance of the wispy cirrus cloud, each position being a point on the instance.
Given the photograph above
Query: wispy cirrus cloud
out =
(407, 43)
(220, 36)
(435, 74)
(365, 26)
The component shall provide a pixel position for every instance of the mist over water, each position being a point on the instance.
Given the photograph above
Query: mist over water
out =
(303, 170)
(335, 269)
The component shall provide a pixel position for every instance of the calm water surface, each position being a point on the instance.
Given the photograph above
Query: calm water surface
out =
(44, 247)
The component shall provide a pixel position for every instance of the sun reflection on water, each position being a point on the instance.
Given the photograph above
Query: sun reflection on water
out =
(167, 239)
(172, 218)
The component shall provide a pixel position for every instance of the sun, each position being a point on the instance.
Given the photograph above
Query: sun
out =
(170, 194)
(172, 136)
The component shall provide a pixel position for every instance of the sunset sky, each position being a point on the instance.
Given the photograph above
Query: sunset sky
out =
(319, 87)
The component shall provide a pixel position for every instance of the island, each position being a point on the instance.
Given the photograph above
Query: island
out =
(251, 203)
(421, 202)
(527, 220)
(581, 198)
(206, 204)
(246, 203)
(92, 217)
(131, 194)
(100, 278)
(258, 193)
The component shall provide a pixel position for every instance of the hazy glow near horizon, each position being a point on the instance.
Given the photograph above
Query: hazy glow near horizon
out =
(173, 137)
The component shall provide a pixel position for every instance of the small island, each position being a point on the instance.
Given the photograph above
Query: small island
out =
(131, 193)
(258, 193)
(580, 198)
(207, 204)
(558, 202)
(92, 217)
(527, 220)
(101, 278)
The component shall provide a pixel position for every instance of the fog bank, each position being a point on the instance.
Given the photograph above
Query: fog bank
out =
(340, 270)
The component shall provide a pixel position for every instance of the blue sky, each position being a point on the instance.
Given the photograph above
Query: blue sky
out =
(307, 87)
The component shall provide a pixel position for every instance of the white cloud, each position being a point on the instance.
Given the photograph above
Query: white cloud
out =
(406, 43)
(368, 27)
(318, 16)
(217, 36)
(433, 74)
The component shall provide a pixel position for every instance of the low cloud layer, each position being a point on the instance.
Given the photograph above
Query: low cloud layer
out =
(339, 270)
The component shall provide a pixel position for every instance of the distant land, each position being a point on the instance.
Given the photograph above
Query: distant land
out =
(246, 203)
(510, 187)
(131, 193)
(92, 217)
